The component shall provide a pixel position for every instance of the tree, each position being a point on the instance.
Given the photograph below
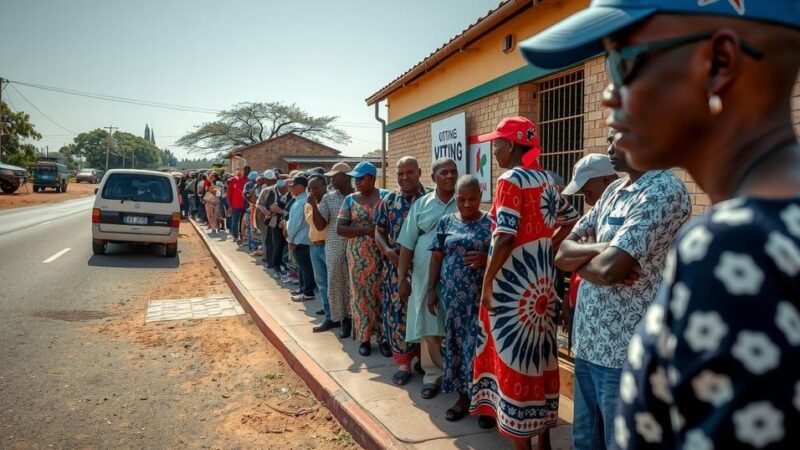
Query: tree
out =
(17, 127)
(169, 159)
(152, 136)
(146, 132)
(123, 150)
(251, 122)
(71, 155)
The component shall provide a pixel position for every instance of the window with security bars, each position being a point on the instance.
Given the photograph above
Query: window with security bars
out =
(561, 136)
(561, 125)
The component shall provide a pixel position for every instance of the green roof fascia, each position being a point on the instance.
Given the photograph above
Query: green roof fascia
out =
(513, 78)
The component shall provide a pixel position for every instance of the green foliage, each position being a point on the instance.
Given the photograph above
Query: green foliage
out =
(25, 156)
(200, 163)
(17, 127)
(251, 122)
(123, 149)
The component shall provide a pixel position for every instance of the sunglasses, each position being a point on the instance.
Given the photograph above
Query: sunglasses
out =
(622, 64)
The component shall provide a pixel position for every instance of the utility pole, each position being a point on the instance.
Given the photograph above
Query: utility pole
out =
(2, 121)
(108, 147)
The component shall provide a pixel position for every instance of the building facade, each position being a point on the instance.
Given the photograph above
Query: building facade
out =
(286, 152)
(482, 74)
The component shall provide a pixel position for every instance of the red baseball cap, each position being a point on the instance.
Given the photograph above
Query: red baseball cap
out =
(516, 129)
(520, 130)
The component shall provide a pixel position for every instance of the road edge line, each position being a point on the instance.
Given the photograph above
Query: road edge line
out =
(366, 430)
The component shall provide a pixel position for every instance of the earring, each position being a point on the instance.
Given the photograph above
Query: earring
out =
(715, 105)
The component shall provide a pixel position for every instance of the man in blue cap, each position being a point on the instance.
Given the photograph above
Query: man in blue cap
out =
(706, 85)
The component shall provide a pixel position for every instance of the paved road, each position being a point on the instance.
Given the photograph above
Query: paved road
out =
(59, 386)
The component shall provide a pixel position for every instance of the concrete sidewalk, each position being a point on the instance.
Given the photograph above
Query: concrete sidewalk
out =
(358, 390)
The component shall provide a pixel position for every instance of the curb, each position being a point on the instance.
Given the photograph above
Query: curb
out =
(365, 429)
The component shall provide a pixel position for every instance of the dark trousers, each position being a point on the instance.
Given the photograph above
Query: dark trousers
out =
(266, 240)
(185, 204)
(302, 255)
(236, 221)
(277, 248)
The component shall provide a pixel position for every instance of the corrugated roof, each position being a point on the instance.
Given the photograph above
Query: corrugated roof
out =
(504, 10)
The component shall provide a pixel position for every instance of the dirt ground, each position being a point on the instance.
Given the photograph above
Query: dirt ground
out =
(256, 400)
(26, 197)
(260, 401)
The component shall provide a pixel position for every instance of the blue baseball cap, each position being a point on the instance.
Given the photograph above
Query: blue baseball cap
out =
(363, 168)
(580, 35)
(252, 176)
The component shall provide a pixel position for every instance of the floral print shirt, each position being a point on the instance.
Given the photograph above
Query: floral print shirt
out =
(715, 364)
(640, 219)
(393, 212)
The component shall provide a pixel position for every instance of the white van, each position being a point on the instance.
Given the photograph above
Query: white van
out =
(138, 206)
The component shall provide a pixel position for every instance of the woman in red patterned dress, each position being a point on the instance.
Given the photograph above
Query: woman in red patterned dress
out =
(515, 374)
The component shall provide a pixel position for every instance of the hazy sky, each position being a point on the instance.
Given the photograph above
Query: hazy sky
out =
(327, 56)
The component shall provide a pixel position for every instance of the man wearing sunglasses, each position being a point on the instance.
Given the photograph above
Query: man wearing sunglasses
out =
(706, 85)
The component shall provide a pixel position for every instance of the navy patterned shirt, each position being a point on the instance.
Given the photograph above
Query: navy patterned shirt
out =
(715, 364)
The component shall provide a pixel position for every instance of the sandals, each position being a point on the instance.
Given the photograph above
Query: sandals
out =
(429, 391)
(401, 377)
(454, 414)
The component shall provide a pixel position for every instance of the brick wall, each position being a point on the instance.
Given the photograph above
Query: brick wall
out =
(482, 117)
(267, 154)
(484, 114)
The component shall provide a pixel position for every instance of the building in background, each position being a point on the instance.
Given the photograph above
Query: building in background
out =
(466, 86)
(290, 152)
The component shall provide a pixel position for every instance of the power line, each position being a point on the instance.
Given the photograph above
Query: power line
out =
(40, 111)
(113, 98)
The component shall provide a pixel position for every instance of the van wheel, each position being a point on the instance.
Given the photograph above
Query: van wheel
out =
(172, 250)
(98, 247)
(36, 189)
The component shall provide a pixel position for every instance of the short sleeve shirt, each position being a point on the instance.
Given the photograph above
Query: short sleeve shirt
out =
(640, 219)
(393, 212)
(716, 361)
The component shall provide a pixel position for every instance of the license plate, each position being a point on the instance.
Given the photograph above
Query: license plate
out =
(134, 220)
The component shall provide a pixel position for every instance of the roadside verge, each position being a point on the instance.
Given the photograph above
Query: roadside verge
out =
(365, 429)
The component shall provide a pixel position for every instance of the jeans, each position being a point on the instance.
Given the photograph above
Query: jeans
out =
(596, 395)
(302, 255)
(236, 221)
(321, 277)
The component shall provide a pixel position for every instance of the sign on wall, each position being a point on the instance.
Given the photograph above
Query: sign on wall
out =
(480, 165)
(449, 139)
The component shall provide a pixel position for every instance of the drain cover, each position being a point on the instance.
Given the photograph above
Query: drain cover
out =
(192, 308)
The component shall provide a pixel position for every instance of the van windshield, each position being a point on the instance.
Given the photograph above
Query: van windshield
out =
(138, 188)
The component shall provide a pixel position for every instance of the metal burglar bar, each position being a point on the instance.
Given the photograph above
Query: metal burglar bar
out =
(561, 135)
(561, 125)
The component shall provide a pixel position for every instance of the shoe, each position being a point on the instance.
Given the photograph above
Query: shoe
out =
(385, 349)
(325, 326)
(347, 328)
(321, 312)
(303, 298)
(296, 292)
(429, 390)
(365, 349)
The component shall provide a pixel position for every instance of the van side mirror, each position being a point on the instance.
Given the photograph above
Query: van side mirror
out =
(95, 191)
